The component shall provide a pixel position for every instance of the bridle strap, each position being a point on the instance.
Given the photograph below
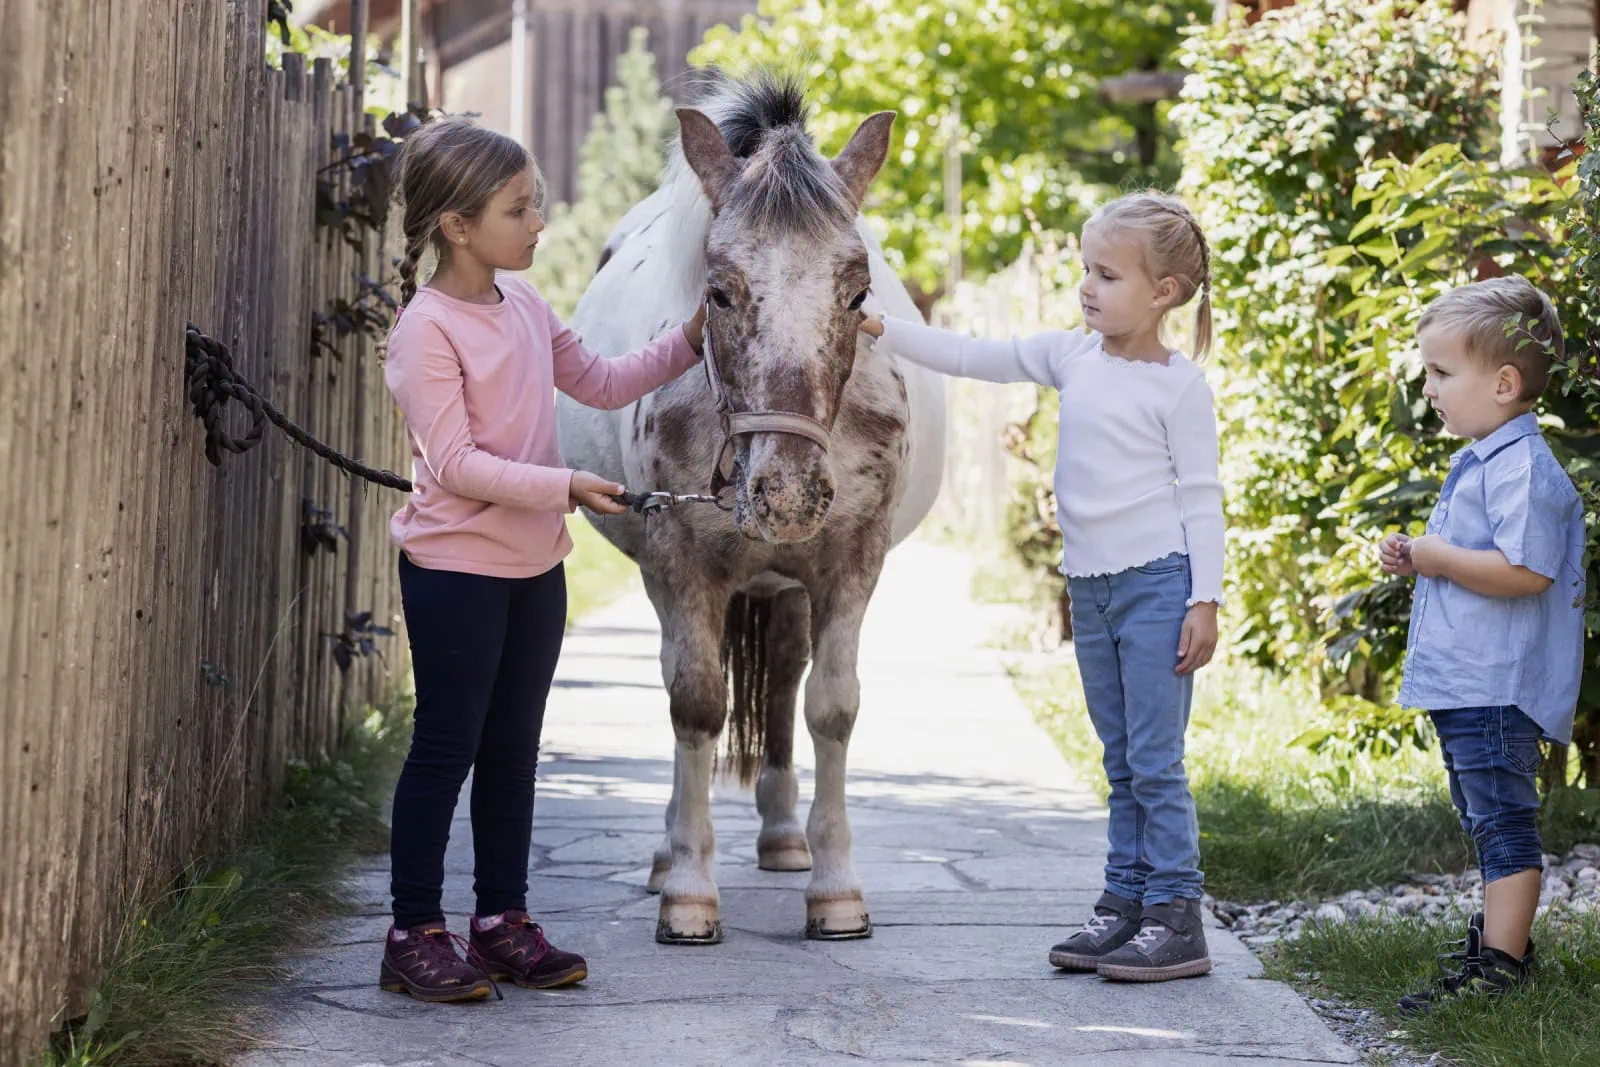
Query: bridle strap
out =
(742, 423)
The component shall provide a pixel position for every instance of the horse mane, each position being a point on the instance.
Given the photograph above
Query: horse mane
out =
(785, 185)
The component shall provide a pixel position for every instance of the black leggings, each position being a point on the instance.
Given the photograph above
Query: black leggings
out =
(484, 652)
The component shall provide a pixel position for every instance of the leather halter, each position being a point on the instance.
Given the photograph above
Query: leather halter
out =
(740, 423)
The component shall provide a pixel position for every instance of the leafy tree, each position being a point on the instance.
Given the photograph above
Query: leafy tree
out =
(619, 165)
(1038, 141)
(1281, 120)
(1429, 225)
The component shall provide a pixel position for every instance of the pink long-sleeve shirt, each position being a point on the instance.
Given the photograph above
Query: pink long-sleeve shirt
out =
(476, 384)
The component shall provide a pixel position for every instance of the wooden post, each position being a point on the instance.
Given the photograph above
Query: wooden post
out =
(410, 47)
(519, 71)
(358, 55)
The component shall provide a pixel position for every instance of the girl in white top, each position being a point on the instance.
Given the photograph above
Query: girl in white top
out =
(1140, 508)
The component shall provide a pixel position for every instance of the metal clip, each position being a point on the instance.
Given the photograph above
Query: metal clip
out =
(648, 504)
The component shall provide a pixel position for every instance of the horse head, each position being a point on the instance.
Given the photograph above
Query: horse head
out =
(786, 275)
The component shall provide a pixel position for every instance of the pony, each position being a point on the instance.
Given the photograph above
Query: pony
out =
(823, 451)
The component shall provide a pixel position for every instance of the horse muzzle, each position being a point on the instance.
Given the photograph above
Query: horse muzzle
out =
(783, 491)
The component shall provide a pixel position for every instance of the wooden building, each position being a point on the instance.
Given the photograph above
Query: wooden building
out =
(538, 69)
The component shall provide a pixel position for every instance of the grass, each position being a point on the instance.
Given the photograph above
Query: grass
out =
(191, 962)
(1555, 1020)
(184, 981)
(1277, 821)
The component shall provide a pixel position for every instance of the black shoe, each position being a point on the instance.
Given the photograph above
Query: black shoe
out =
(1115, 921)
(1171, 943)
(1476, 923)
(1486, 972)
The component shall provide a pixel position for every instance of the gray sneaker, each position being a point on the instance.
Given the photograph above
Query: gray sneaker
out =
(1171, 943)
(1116, 920)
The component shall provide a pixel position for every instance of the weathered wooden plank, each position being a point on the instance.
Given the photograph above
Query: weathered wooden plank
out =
(63, 508)
(152, 172)
(98, 415)
(22, 737)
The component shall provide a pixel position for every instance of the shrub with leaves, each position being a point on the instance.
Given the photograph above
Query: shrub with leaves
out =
(1280, 121)
(1437, 222)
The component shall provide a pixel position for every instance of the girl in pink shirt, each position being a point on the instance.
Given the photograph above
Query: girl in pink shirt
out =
(474, 361)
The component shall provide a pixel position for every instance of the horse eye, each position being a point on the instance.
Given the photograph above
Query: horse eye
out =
(720, 298)
(861, 298)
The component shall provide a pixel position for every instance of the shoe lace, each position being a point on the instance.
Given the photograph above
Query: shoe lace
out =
(1099, 924)
(525, 927)
(441, 946)
(1145, 939)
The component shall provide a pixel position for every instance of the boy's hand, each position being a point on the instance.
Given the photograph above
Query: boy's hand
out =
(595, 493)
(871, 325)
(1394, 553)
(1428, 555)
(1198, 640)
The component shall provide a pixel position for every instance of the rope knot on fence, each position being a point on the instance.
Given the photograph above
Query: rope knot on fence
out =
(213, 382)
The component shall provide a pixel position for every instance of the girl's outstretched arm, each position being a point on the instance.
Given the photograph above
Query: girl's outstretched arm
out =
(615, 383)
(1038, 358)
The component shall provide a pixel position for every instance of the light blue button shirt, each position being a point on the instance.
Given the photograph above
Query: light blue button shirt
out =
(1465, 650)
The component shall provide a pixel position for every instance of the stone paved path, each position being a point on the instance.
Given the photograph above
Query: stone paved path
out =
(975, 847)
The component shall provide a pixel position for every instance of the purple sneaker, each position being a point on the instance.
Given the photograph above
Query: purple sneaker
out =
(422, 961)
(511, 945)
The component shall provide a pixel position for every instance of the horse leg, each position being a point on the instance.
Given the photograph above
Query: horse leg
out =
(691, 662)
(781, 845)
(661, 862)
(835, 907)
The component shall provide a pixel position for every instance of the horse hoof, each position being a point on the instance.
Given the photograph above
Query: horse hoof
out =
(660, 867)
(837, 920)
(816, 931)
(665, 935)
(690, 923)
(784, 854)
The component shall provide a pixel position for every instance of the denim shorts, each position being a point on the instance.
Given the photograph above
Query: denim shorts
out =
(1492, 755)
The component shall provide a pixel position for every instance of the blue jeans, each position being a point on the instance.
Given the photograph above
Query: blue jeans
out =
(1492, 756)
(1126, 628)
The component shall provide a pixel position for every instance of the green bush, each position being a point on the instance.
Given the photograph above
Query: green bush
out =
(1339, 162)
(1280, 120)
(1435, 223)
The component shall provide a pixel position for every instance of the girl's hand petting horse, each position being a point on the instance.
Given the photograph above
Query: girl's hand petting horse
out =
(595, 493)
(871, 325)
(1198, 639)
(695, 331)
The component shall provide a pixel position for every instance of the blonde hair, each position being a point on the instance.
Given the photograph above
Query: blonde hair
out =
(1174, 247)
(1503, 320)
(453, 165)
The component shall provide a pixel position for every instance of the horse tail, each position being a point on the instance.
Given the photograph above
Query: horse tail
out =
(746, 651)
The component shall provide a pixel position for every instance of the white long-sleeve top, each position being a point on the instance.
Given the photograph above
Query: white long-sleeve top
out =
(1136, 461)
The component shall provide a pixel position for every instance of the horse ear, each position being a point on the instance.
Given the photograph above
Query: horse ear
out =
(707, 153)
(858, 164)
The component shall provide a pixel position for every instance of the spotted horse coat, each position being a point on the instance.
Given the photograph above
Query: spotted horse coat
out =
(751, 220)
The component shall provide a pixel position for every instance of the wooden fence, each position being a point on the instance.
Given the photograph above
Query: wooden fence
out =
(163, 635)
